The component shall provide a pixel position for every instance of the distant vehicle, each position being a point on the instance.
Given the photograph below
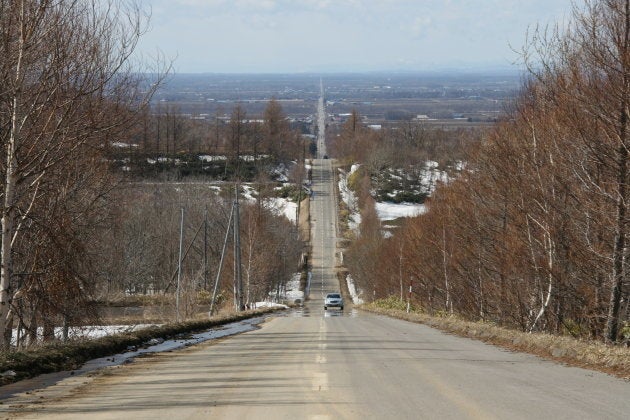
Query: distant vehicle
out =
(325, 156)
(333, 300)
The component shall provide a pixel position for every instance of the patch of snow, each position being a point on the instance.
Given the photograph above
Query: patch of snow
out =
(251, 158)
(259, 305)
(210, 158)
(122, 145)
(348, 197)
(354, 294)
(281, 206)
(169, 345)
(293, 292)
(280, 173)
(294, 283)
(295, 296)
(391, 211)
(89, 332)
(249, 192)
(460, 165)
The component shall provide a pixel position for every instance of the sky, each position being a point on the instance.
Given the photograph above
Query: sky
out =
(295, 36)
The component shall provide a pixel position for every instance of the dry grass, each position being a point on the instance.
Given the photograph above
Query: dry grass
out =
(614, 360)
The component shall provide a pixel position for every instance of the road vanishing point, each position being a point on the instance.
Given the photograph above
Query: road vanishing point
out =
(316, 364)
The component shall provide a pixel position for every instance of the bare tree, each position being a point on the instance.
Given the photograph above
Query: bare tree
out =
(588, 69)
(68, 83)
(277, 131)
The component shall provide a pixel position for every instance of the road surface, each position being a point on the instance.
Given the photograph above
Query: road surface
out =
(316, 364)
(321, 123)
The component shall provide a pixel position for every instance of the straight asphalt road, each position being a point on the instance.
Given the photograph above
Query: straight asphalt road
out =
(316, 364)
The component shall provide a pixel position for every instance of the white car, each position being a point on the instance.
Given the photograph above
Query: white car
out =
(333, 300)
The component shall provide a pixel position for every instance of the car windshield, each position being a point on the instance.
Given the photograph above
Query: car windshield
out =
(333, 296)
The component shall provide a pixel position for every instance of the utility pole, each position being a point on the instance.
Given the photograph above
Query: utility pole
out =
(238, 280)
(179, 266)
(205, 250)
(409, 296)
(216, 282)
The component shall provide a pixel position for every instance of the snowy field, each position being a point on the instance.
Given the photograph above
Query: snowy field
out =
(385, 210)
(291, 294)
(391, 211)
(90, 332)
(282, 207)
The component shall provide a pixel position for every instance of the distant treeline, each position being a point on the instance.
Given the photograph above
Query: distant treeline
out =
(169, 144)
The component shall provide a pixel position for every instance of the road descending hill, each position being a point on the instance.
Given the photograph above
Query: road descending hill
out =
(316, 364)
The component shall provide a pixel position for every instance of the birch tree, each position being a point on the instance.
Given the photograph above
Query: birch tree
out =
(587, 68)
(67, 82)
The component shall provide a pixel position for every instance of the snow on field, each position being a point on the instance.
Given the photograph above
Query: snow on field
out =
(259, 305)
(293, 292)
(121, 145)
(91, 331)
(278, 206)
(348, 197)
(249, 192)
(390, 211)
(280, 173)
(460, 165)
(209, 158)
(282, 206)
(385, 210)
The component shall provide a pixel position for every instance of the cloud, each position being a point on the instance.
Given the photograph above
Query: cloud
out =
(420, 27)
(360, 34)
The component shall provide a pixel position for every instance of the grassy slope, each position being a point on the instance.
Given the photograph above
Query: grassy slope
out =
(614, 360)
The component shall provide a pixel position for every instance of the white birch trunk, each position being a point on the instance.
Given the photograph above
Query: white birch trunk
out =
(8, 209)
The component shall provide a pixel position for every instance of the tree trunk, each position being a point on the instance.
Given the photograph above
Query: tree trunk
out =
(618, 275)
(8, 210)
(619, 253)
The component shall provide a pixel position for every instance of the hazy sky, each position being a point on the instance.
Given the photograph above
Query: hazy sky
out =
(342, 35)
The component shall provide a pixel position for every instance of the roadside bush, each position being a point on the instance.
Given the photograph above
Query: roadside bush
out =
(354, 179)
(292, 192)
(392, 302)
